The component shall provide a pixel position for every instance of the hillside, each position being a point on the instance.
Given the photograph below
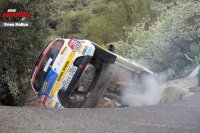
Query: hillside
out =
(161, 34)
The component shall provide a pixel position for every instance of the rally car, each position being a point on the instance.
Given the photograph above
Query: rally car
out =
(73, 73)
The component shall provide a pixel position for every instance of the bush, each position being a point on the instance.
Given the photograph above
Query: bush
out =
(69, 24)
(19, 49)
(104, 21)
(166, 42)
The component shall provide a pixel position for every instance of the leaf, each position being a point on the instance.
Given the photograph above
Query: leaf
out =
(194, 49)
(188, 58)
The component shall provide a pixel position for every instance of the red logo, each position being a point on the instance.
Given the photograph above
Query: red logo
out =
(12, 13)
(72, 43)
(59, 46)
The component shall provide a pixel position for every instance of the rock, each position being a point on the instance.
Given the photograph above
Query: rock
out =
(178, 89)
(171, 94)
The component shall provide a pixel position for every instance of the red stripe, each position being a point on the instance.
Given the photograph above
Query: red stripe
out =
(44, 54)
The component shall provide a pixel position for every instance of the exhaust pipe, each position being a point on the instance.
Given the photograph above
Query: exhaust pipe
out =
(76, 98)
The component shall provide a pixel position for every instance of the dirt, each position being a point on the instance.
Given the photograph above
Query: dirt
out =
(32, 100)
(175, 90)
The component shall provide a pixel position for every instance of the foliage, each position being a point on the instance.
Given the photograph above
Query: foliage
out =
(192, 55)
(165, 1)
(105, 21)
(165, 43)
(130, 24)
(99, 30)
(68, 24)
(19, 48)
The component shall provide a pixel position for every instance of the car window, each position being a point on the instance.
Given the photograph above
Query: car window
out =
(46, 64)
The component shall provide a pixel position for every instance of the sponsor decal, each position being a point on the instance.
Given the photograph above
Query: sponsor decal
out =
(42, 97)
(61, 59)
(57, 104)
(75, 44)
(69, 77)
(63, 50)
(72, 43)
(85, 50)
(59, 46)
(79, 49)
(44, 87)
(51, 103)
(60, 106)
(48, 101)
(62, 73)
(48, 83)
(47, 65)
(89, 51)
(92, 52)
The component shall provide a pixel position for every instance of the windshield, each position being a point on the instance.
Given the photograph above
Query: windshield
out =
(46, 63)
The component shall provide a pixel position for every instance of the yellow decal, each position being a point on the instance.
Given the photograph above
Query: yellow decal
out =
(44, 86)
(80, 48)
(51, 103)
(62, 73)
(63, 50)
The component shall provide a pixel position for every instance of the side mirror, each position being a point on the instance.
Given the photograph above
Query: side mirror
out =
(111, 48)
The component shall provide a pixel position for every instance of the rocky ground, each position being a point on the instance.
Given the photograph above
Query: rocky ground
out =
(178, 89)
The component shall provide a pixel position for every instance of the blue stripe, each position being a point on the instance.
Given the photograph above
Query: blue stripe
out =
(50, 79)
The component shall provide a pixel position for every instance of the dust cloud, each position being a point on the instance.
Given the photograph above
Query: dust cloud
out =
(149, 91)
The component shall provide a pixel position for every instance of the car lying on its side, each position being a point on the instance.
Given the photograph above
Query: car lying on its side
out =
(72, 73)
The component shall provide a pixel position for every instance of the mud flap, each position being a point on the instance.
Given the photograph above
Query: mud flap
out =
(106, 75)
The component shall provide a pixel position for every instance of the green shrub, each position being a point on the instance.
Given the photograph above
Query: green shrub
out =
(98, 30)
(19, 49)
(103, 21)
(165, 43)
(69, 24)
